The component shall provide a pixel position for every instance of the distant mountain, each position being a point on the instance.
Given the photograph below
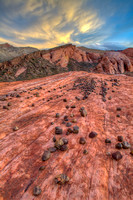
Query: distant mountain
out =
(8, 52)
(61, 59)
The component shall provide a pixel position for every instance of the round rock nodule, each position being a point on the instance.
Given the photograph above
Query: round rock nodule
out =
(76, 129)
(42, 168)
(92, 134)
(57, 115)
(61, 179)
(15, 128)
(37, 190)
(65, 140)
(120, 138)
(126, 145)
(107, 140)
(83, 112)
(82, 140)
(58, 130)
(46, 155)
(118, 146)
(68, 124)
(117, 155)
(59, 143)
(85, 152)
(63, 147)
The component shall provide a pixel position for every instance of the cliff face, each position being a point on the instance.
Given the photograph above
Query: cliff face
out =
(62, 59)
(129, 52)
(29, 121)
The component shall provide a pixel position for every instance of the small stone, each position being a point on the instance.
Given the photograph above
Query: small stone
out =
(46, 155)
(63, 147)
(77, 98)
(65, 100)
(52, 149)
(18, 96)
(9, 104)
(82, 140)
(72, 115)
(68, 124)
(107, 140)
(118, 109)
(126, 145)
(5, 107)
(67, 107)
(120, 138)
(59, 143)
(57, 115)
(58, 130)
(113, 91)
(52, 123)
(118, 146)
(109, 98)
(54, 139)
(74, 121)
(33, 105)
(61, 179)
(37, 190)
(83, 112)
(73, 106)
(118, 115)
(117, 155)
(42, 168)
(65, 140)
(76, 129)
(92, 134)
(65, 118)
(85, 152)
(15, 128)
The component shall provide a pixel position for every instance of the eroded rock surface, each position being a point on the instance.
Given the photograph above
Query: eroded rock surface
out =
(93, 173)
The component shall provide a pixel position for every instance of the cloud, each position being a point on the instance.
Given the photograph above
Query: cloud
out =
(49, 23)
(53, 22)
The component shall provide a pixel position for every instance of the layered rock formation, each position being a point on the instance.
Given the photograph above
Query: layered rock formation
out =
(95, 103)
(129, 53)
(62, 59)
(8, 52)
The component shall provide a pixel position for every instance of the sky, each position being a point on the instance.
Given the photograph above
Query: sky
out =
(101, 24)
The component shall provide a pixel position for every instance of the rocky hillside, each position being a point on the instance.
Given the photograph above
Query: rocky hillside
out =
(67, 136)
(8, 52)
(62, 59)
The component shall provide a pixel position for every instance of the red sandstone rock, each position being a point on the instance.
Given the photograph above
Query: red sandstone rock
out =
(94, 176)
(114, 63)
(129, 53)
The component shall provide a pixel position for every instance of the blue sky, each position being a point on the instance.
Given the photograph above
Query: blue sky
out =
(106, 24)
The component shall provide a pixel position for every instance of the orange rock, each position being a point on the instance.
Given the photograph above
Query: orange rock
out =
(92, 176)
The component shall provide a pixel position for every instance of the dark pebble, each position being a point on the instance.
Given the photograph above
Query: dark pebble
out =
(92, 134)
(67, 107)
(120, 138)
(61, 179)
(42, 168)
(82, 140)
(70, 130)
(107, 141)
(83, 112)
(54, 139)
(118, 115)
(9, 104)
(118, 109)
(46, 155)
(118, 146)
(126, 145)
(117, 155)
(65, 118)
(65, 140)
(85, 152)
(59, 143)
(58, 130)
(15, 128)
(76, 129)
(57, 115)
(73, 106)
(65, 100)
